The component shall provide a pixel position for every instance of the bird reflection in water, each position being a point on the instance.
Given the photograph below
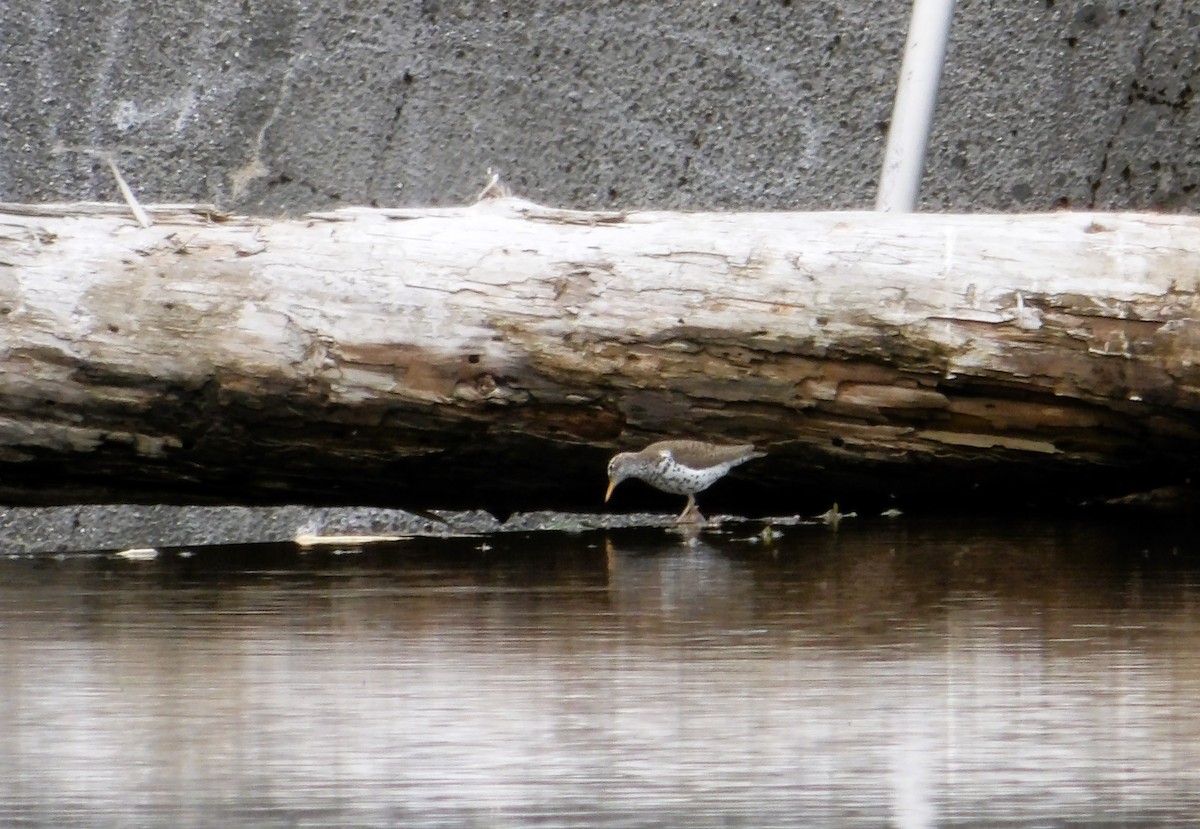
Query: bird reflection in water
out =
(692, 581)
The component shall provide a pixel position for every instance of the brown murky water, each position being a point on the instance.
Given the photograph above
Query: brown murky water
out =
(901, 674)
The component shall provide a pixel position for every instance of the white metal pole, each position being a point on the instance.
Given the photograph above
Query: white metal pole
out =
(912, 112)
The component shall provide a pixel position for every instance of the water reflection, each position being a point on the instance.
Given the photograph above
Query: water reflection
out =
(886, 674)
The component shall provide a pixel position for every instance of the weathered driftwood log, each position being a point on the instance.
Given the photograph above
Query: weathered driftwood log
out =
(497, 353)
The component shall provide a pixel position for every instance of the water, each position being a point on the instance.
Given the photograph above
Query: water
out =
(906, 673)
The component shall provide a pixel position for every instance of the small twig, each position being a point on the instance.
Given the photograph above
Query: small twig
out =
(143, 218)
(494, 189)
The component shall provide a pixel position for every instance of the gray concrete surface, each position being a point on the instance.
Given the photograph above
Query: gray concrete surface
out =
(295, 105)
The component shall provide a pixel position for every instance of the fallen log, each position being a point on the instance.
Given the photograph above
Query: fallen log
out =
(494, 355)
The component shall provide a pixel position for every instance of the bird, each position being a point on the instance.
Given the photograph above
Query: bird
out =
(681, 467)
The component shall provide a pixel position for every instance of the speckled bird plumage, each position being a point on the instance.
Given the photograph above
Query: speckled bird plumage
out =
(681, 467)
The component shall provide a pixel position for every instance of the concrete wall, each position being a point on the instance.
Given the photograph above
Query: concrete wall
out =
(281, 106)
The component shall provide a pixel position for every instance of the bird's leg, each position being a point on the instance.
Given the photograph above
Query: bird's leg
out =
(691, 514)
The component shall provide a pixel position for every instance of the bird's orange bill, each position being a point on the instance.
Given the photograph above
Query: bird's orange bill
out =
(611, 486)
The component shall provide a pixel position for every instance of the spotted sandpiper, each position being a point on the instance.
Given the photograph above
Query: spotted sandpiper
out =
(682, 467)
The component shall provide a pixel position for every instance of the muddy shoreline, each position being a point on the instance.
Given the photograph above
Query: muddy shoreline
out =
(66, 529)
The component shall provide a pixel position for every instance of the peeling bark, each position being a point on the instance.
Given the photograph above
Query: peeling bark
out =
(507, 348)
